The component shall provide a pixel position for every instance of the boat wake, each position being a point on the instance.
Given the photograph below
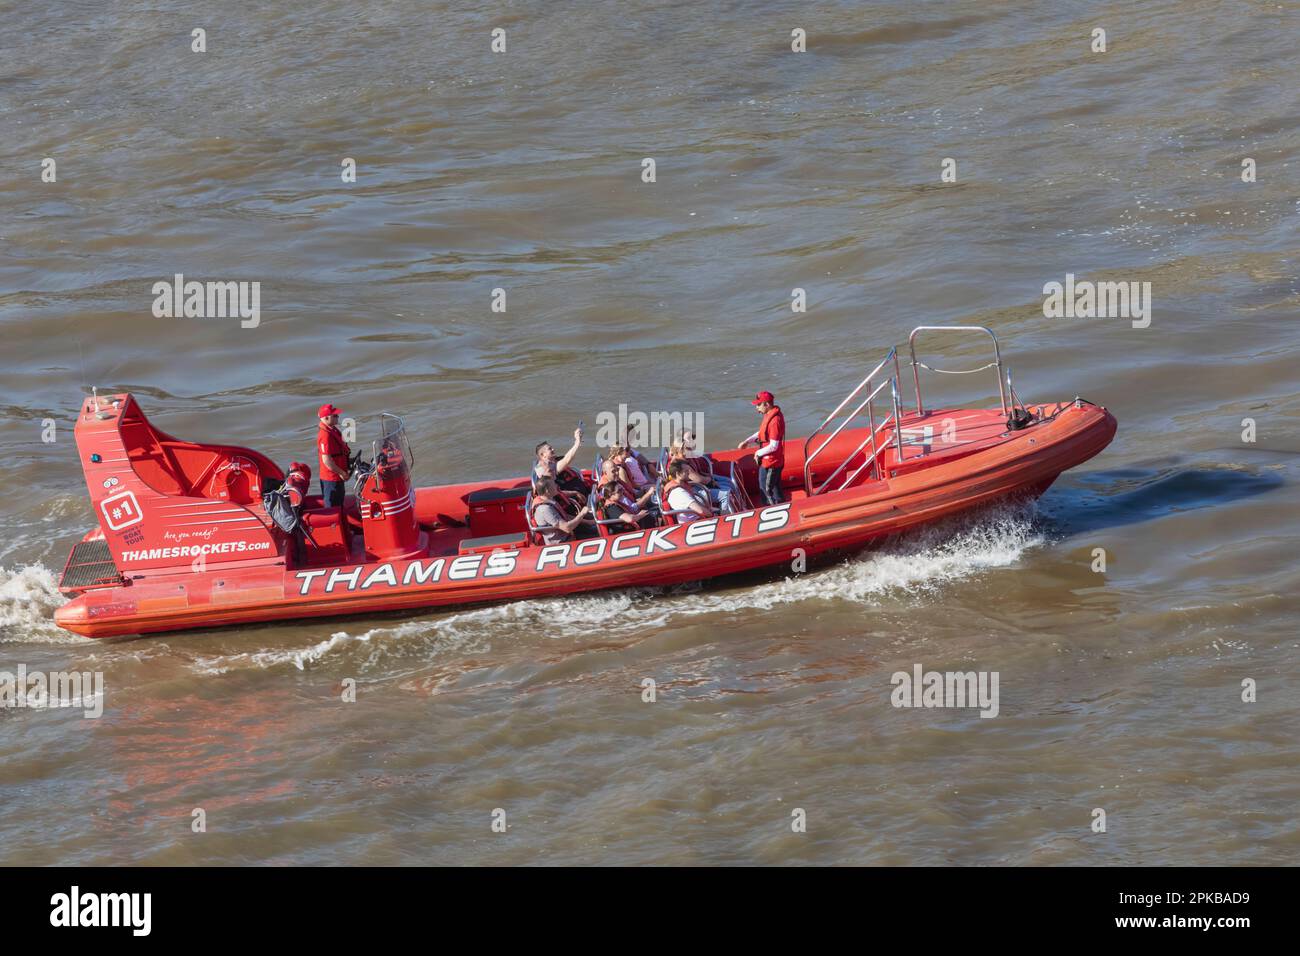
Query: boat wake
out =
(914, 565)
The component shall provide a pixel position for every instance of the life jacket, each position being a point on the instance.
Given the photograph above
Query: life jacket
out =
(626, 488)
(693, 490)
(773, 429)
(643, 517)
(700, 463)
(333, 451)
(555, 503)
(571, 480)
(560, 503)
(567, 480)
(605, 515)
(296, 483)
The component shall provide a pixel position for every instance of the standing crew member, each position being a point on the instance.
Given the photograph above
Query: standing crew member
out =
(334, 457)
(770, 439)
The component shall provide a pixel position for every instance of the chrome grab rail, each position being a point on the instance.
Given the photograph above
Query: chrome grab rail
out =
(917, 366)
(873, 429)
(1011, 391)
(871, 438)
(1005, 388)
(875, 452)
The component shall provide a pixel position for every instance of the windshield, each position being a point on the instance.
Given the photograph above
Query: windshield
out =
(393, 451)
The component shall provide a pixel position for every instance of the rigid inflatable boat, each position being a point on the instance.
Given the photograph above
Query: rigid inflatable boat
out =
(188, 536)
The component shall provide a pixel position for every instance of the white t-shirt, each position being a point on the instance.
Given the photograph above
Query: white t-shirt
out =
(679, 499)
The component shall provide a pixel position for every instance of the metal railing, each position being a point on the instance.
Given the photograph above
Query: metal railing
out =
(1006, 395)
(873, 429)
(1011, 393)
(917, 366)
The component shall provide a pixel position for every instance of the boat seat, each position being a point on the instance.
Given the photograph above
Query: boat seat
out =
(330, 531)
(740, 498)
(608, 527)
(492, 542)
(703, 464)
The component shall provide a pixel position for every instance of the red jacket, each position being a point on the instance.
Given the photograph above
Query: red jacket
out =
(773, 429)
(334, 453)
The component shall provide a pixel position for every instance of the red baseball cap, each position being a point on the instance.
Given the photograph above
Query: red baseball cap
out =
(762, 397)
(326, 410)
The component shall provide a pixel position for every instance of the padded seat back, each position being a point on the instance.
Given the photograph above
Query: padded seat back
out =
(327, 534)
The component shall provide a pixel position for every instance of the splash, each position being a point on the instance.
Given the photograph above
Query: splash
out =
(262, 660)
(916, 565)
(29, 595)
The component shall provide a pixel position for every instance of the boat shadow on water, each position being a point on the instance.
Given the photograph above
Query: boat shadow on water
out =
(1116, 497)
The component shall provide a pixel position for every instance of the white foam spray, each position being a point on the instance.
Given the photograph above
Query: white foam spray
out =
(915, 564)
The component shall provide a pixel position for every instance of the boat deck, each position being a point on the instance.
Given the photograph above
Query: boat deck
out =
(465, 519)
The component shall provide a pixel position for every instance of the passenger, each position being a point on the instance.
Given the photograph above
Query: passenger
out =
(335, 457)
(641, 468)
(718, 489)
(721, 487)
(615, 505)
(621, 465)
(611, 474)
(685, 492)
(548, 466)
(551, 514)
(770, 455)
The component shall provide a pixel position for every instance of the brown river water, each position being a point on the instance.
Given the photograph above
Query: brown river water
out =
(1119, 690)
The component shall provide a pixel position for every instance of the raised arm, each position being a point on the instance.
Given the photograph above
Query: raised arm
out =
(564, 462)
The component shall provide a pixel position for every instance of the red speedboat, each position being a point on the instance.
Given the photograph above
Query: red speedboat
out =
(187, 540)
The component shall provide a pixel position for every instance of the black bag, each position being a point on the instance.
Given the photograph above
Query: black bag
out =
(284, 514)
(1019, 419)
